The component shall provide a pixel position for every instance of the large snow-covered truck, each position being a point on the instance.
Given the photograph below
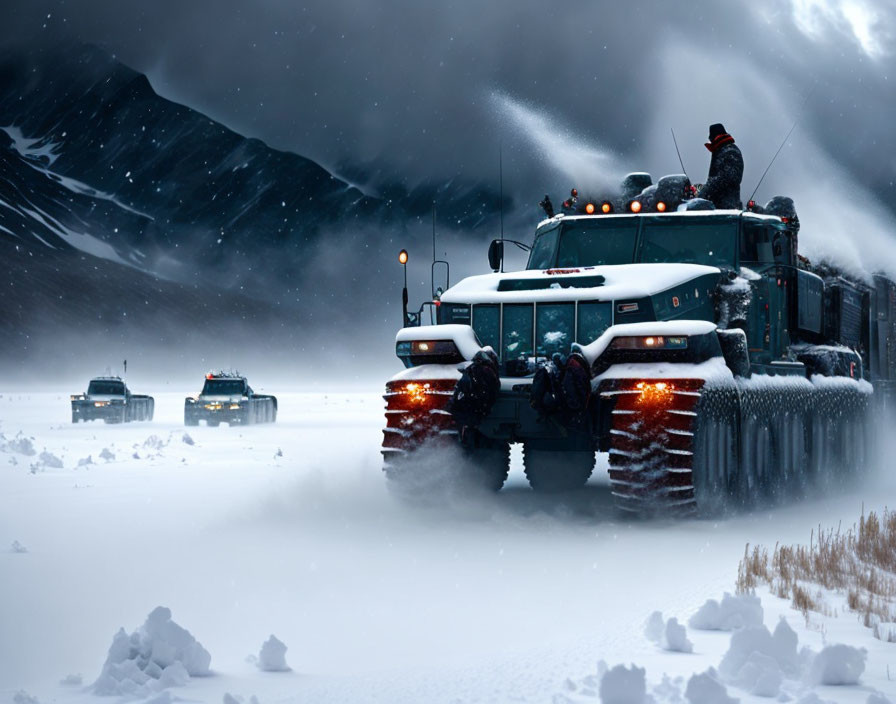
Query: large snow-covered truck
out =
(228, 398)
(109, 399)
(724, 367)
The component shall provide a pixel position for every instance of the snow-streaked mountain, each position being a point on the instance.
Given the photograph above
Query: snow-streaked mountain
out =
(114, 196)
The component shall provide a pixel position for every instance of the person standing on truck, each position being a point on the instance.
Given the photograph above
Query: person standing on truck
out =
(726, 169)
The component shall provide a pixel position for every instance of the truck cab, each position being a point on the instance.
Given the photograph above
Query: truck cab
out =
(228, 398)
(108, 398)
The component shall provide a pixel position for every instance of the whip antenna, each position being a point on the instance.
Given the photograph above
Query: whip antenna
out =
(675, 142)
(795, 123)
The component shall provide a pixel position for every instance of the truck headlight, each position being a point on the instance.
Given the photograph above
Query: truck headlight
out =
(650, 342)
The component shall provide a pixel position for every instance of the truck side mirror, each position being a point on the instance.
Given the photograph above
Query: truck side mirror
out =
(495, 254)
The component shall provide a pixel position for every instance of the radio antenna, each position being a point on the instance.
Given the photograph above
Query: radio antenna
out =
(787, 136)
(675, 142)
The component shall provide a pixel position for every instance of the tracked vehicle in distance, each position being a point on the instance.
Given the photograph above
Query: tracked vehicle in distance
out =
(109, 399)
(228, 398)
(725, 368)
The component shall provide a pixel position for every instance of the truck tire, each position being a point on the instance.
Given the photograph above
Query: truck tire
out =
(557, 470)
(190, 421)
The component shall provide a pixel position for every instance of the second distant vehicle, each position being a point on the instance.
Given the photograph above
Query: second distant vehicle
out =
(228, 398)
(109, 399)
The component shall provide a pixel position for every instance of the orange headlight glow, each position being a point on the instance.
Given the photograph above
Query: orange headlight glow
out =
(654, 392)
(636, 206)
(417, 392)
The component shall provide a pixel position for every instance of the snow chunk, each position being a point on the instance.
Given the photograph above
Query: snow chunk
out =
(72, 680)
(84, 461)
(17, 547)
(757, 660)
(734, 612)
(622, 685)
(272, 656)
(188, 440)
(107, 454)
(838, 665)
(669, 635)
(157, 655)
(706, 688)
(22, 697)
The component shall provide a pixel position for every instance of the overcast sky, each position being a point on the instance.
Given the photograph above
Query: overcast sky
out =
(578, 93)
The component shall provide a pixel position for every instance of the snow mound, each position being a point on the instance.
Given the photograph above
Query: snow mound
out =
(17, 547)
(669, 635)
(84, 461)
(20, 445)
(237, 699)
(272, 656)
(622, 685)
(734, 612)
(107, 454)
(757, 660)
(188, 440)
(157, 655)
(72, 681)
(705, 688)
(48, 459)
(22, 697)
(838, 665)
(878, 698)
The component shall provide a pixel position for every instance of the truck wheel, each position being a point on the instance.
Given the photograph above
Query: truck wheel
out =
(213, 423)
(190, 421)
(557, 470)
(489, 465)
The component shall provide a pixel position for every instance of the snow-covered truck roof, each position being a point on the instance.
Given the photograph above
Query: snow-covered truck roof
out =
(612, 282)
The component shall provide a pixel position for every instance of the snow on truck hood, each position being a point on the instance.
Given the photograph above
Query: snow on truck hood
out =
(619, 282)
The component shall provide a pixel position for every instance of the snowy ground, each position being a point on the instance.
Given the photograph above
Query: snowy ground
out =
(288, 530)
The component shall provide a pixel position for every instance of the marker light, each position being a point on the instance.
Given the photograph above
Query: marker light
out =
(636, 206)
(661, 207)
(403, 256)
(589, 208)
(606, 207)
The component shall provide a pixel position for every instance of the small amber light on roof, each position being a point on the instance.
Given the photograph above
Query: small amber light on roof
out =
(589, 208)
(606, 207)
(661, 207)
(636, 206)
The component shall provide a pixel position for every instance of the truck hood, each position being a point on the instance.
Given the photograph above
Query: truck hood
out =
(606, 283)
(105, 397)
(220, 399)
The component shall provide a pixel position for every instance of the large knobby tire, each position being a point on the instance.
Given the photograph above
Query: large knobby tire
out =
(190, 421)
(489, 466)
(556, 470)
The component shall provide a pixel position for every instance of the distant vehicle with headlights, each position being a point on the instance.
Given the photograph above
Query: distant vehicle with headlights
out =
(724, 368)
(109, 399)
(228, 398)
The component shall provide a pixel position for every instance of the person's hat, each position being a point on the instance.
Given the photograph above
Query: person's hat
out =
(716, 130)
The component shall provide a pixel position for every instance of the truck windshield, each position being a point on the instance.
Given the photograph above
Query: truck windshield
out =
(542, 254)
(108, 388)
(712, 243)
(223, 387)
(597, 242)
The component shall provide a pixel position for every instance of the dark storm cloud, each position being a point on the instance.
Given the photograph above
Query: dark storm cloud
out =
(428, 90)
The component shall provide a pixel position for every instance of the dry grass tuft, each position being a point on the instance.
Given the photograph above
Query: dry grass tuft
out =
(860, 562)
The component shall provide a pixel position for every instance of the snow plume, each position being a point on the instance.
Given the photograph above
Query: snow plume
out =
(842, 221)
(574, 156)
(157, 655)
